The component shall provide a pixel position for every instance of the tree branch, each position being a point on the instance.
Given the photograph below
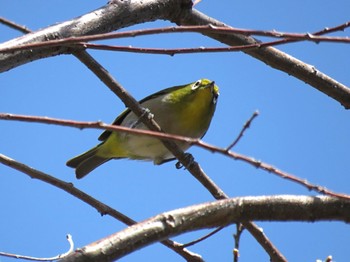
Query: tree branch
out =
(204, 29)
(14, 25)
(71, 249)
(102, 208)
(214, 214)
(274, 58)
(192, 166)
(119, 14)
(115, 15)
(193, 141)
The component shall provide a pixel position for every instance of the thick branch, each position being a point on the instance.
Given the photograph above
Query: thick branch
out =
(121, 14)
(213, 214)
(115, 15)
(274, 58)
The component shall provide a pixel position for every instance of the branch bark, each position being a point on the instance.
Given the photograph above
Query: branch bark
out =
(113, 16)
(102, 208)
(118, 14)
(274, 58)
(213, 214)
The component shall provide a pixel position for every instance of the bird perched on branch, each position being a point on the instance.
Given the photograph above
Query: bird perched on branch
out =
(184, 110)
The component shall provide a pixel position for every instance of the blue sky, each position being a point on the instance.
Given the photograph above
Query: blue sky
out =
(299, 130)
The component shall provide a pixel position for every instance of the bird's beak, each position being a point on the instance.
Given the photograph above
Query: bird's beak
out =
(214, 91)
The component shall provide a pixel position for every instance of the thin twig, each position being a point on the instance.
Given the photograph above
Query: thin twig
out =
(237, 238)
(193, 141)
(71, 249)
(245, 127)
(14, 25)
(203, 237)
(287, 38)
(175, 51)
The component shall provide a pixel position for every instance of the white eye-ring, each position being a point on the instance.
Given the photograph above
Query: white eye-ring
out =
(196, 84)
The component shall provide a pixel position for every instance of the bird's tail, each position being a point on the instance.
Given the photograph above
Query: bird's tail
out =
(86, 162)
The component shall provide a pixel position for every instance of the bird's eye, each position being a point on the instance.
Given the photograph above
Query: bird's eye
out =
(196, 84)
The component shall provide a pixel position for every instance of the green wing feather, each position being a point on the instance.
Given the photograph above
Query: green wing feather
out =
(122, 116)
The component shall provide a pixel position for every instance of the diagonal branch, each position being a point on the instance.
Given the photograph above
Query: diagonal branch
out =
(133, 105)
(14, 25)
(192, 166)
(274, 58)
(102, 208)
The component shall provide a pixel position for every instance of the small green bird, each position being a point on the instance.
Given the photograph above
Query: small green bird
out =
(184, 110)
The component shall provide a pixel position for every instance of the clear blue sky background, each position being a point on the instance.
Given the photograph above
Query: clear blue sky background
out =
(300, 130)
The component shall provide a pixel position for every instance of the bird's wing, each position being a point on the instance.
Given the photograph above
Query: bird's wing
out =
(122, 116)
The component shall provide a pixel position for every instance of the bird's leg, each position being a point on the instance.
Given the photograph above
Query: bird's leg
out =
(189, 158)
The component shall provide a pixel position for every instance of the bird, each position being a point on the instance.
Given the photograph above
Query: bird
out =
(185, 110)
